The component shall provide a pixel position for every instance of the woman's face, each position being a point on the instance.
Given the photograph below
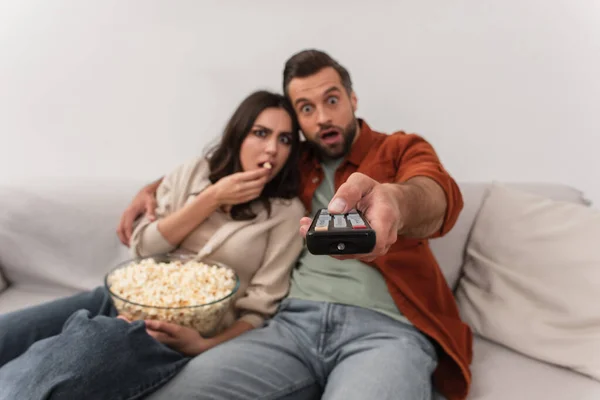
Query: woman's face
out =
(269, 141)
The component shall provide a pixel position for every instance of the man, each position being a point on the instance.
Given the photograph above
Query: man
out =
(374, 326)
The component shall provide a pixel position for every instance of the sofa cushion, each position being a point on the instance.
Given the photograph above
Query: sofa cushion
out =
(62, 232)
(449, 250)
(18, 296)
(532, 276)
(501, 374)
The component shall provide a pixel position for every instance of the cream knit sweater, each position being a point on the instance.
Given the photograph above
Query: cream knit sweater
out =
(262, 251)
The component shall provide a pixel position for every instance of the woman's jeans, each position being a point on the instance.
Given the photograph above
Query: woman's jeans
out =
(74, 348)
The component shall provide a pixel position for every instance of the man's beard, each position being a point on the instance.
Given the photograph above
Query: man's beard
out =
(348, 135)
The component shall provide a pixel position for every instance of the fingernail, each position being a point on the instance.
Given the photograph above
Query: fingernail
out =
(337, 205)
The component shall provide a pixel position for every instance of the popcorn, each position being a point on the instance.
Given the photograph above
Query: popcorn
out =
(267, 165)
(173, 291)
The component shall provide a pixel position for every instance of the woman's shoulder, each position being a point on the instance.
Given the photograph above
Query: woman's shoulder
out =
(191, 167)
(195, 169)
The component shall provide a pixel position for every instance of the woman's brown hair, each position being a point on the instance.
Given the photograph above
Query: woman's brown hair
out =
(224, 159)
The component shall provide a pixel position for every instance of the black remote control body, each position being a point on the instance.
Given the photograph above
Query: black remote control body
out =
(348, 233)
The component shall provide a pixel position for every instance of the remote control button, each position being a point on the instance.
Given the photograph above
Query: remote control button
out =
(322, 222)
(339, 222)
(355, 219)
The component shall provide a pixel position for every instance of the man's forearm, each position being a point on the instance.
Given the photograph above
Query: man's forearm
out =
(422, 205)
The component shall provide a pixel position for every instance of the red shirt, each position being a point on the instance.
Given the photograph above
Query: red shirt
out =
(412, 274)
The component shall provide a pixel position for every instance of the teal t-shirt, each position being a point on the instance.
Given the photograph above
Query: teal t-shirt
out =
(351, 282)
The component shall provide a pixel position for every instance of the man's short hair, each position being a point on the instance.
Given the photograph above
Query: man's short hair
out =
(309, 62)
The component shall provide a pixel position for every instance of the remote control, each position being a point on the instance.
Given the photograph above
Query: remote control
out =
(348, 233)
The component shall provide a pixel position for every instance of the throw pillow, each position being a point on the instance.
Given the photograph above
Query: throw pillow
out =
(532, 278)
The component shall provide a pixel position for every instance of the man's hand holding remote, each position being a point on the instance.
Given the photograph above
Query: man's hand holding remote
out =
(415, 208)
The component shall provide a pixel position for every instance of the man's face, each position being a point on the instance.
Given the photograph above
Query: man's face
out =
(325, 112)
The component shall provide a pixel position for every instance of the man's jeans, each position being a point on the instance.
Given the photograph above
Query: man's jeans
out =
(309, 349)
(74, 348)
(313, 349)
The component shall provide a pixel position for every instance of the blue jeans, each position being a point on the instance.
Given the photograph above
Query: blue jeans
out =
(313, 350)
(20, 329)
(74, 348)
(308, 350)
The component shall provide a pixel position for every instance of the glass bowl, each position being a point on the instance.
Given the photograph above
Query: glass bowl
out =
(173, 288)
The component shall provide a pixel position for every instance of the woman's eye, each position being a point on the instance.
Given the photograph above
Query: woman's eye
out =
(332, 100)
(306, 109)
(260, 132)
(285, 139)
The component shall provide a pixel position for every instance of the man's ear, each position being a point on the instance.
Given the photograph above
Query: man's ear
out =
(353, 101)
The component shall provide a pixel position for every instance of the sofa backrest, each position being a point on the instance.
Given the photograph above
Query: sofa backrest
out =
(449, 250)
(63, 232)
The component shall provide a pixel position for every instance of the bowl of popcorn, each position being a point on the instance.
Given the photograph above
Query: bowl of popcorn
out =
(177, 289)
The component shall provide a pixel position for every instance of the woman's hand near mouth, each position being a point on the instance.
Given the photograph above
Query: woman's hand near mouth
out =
(240, 187)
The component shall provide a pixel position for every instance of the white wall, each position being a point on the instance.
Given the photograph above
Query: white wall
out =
(504, 90)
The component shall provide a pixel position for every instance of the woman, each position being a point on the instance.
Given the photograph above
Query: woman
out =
(236, 205)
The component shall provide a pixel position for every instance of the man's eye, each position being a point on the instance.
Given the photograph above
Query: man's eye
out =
(260, 132)
(332, 100)
(306, 109)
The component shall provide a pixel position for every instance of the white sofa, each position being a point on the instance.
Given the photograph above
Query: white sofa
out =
(58, 237)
